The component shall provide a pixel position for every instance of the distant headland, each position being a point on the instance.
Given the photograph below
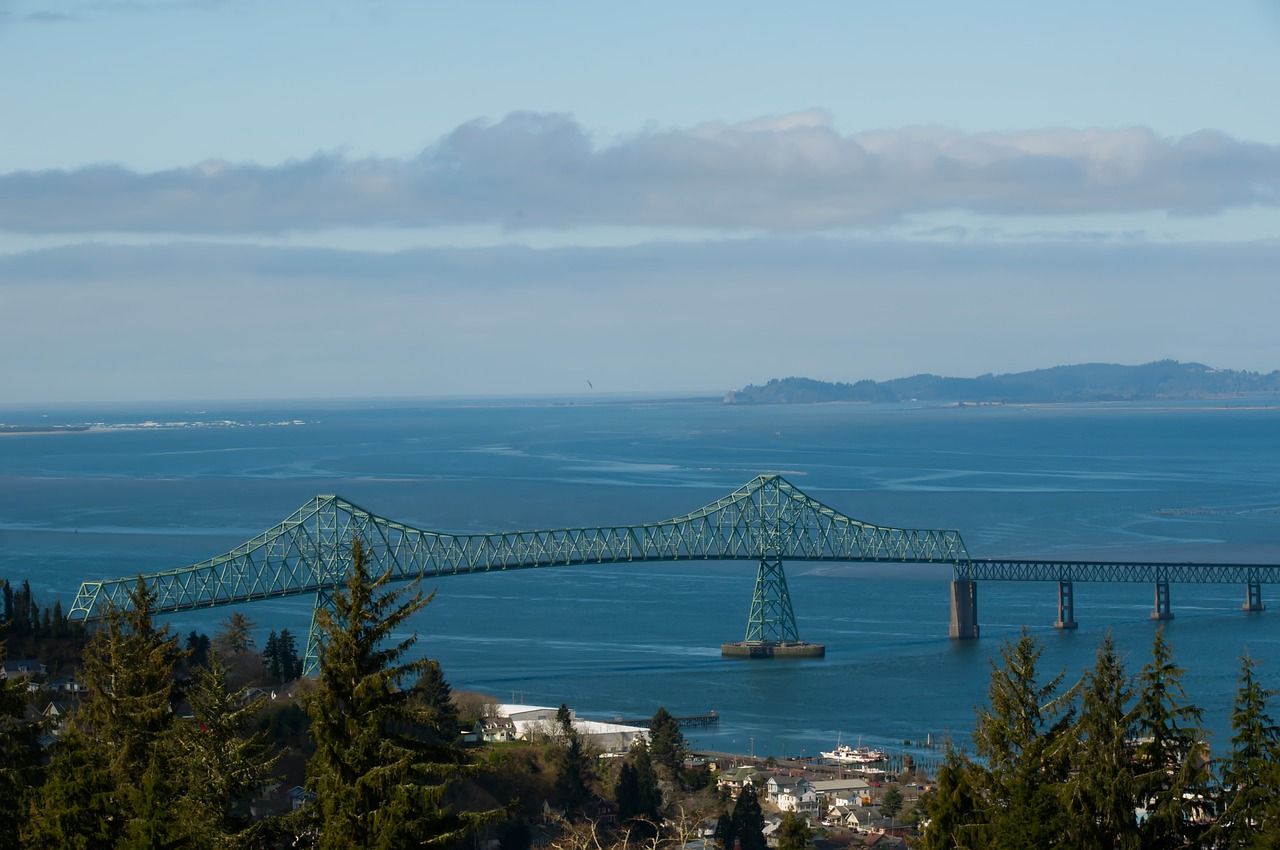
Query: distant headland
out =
(1163, 379)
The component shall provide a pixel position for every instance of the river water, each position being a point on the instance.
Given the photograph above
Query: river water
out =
(159, 488)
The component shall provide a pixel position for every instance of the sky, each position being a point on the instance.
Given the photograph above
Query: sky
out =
(229, 199)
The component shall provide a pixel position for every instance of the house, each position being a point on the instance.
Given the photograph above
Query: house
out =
(735, 777)
(864, 818)
(54, 716)
(843, 792)
(22, 668)
(791, 794)
(66, 685)
(491, 729)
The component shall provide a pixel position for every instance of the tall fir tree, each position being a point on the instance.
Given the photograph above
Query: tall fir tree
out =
(219, 763)
(235, 636)
(128, 675)
(626, 792)
(650, 799)
(1249, 807)
(667, 746)
(1022, 734)
(1102, 793)
(725, 834)
(955, 820)
(197, 646)
(19, 757)
(432, 691)
(748, 820)
(793, 832)
(290, 663)
(78, 807)
(271, 659)
(574, 772)
(1172, 760)
(377, 784)
(111, 783)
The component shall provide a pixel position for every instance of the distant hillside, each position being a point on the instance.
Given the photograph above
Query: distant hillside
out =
(1164, 379)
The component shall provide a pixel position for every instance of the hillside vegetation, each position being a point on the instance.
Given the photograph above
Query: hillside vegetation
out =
(1163, 379)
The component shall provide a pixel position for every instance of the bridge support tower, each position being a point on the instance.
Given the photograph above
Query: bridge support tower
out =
(771, 622)
(1066, 606)
(1253, 597)
(964, 609)
(1162, 611)
(315, 640)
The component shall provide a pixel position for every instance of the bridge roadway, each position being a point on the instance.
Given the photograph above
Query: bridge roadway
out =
(768, 520)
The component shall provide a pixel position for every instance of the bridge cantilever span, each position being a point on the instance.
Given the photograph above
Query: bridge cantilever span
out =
(768, 520)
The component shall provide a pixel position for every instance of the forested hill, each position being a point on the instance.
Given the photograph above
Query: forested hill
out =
(1164, 379)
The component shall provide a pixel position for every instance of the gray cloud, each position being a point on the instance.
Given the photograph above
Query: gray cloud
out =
(792, 173)
(233, 321)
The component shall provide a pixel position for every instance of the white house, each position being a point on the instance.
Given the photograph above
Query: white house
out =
(792, 795)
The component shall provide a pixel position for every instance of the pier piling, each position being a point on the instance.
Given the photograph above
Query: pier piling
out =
(964, 609)
(1162, 610)
(1066, 606)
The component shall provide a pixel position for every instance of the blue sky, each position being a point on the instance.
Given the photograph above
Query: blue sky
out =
(204, 199)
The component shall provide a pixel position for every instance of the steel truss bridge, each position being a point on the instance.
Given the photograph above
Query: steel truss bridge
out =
(768, 520)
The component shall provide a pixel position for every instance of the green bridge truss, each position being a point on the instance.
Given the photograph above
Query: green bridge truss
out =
(768, 520)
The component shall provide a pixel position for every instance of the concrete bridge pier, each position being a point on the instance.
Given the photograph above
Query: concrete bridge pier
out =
(1162, 610)
(964, 609)
(1253, 597)
(1066, 606)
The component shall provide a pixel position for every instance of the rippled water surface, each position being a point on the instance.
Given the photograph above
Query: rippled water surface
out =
(1140, 482)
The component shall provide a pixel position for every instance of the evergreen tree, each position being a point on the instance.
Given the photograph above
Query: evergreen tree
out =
(667, 746)
(748, 820)
(432, 691)
(219, 765)
(235, 637)
(1022, 735)
(1250, 802)
(290, 663)
(377, 784)
(78, 807)
(155, 820)
(574, 765)
(1172, 761)
(59, 620)
(1102, 793)
(794, 832)
(725, 834)
(128, 676)
(271, 660)
(197, 647)
(650, 800)
(953, 808)
(19, 757)
(891, 803)
(626, 792)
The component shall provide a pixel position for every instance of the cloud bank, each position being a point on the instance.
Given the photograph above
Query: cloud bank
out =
(173, 321)
(789, 174)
